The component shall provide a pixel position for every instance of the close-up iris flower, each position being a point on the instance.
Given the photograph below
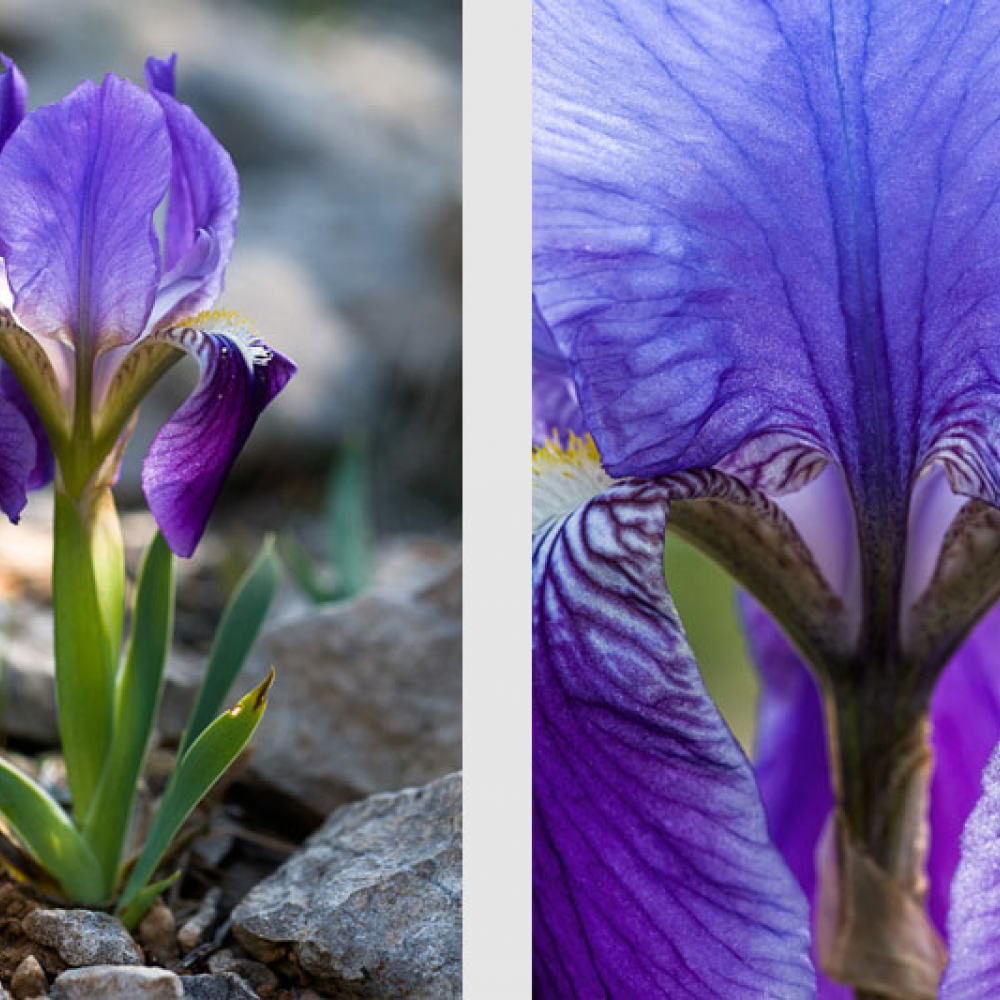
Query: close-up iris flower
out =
(767, 318)
(95, 310)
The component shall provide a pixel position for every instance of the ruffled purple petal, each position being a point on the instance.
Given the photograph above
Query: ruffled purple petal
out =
(973, 971)
(791, 757)
(653, 872)
(203, 204)
(189, 459)
(79, 182)
(775, 222)
(13, 99)
(554, 403)
(44, 468)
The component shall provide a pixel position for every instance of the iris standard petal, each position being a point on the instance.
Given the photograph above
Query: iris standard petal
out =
(202, 208)
(653, 872)
(554, 403)
(728, 191)
(79, 181)
(13, 99)
(191, 455)
(791, 752)
(973, 970)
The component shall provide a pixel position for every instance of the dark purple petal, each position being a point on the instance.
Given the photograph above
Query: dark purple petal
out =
(189, 459)
(79, 181)
(775, 221)
(554, 402)
(653, 872)
(17, 459)
(973, 971)
(10, 390)
(203, 204)
(791, 759)
(13, 99)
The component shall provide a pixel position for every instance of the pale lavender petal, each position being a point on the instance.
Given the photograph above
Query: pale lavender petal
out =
(13, 99)
(653, 872)
(554, 403)
(79, 181)
(965, 713)
(191, 456)
(973, 971)
(203, 203)
(775, 222)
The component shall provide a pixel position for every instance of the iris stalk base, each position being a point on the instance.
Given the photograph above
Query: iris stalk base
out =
(872, 930)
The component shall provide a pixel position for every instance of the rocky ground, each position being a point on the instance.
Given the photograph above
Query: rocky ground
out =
(330, 864)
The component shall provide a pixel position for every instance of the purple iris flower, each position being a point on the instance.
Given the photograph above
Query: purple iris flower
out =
(95, 309)
(767, 317)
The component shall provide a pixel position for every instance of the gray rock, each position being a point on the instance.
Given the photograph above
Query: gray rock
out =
(83, 937)
(372, 905)
(368, 694)
(106, 982)
(29, 980)
(255, 973)
(224, 986)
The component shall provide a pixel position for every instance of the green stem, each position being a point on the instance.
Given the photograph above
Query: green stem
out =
(85, 580)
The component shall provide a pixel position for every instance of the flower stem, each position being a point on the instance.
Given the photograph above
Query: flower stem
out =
(872, 931)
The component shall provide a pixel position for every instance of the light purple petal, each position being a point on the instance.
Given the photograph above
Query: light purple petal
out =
(965, 713)
(13, 99)
(44, 468)
(775, 221)
(973, 971)
(791, 759)
(189, 459)
(203, 204)
(79, 181)
(653, 873)
(554, 402)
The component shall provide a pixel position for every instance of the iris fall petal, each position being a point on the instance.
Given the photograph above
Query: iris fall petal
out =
(193, 452)
(653, 871)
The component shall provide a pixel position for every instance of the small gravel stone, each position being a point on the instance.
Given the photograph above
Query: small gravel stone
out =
(224, 986)
(83, 937)
(29, 980)
(157, 933)
(103, 982)
(255, 973)
(195, 930)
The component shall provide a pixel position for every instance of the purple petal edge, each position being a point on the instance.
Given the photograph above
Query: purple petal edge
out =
(191, 456)
(653, 872)
(203, 203)
(13, 99)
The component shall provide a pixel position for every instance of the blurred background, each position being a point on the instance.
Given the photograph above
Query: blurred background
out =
(343, 119)
(705, 596)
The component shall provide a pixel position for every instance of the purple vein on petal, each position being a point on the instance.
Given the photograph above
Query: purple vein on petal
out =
(653, 872)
